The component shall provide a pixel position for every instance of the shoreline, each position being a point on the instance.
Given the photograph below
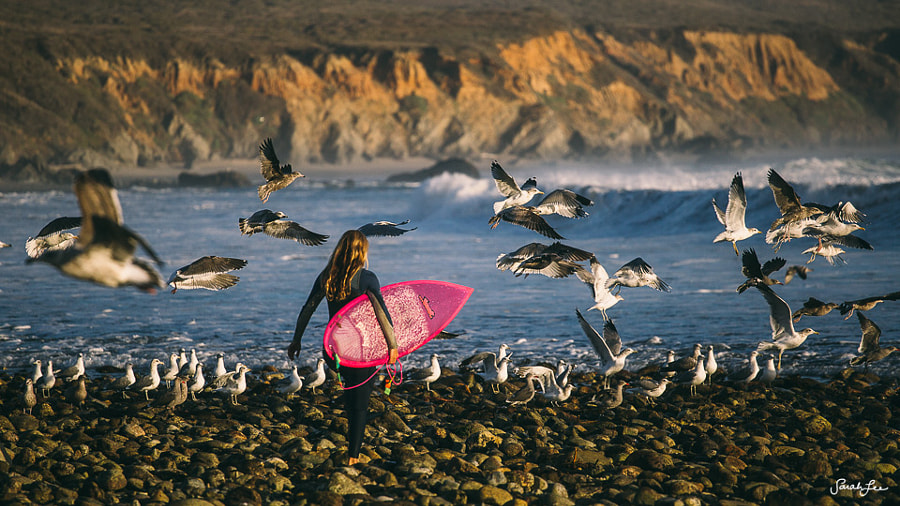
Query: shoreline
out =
(796, 442)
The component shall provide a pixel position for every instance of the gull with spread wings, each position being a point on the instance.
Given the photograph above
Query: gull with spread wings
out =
(277, 176)
(734, 215)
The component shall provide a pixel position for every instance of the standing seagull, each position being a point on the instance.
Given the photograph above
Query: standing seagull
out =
(684, 364)
(596, 280)
(74, 371)
(198, 381)
(748, 373)
(428, 375)
(515, 196)
(496, 375)
(172, 372)
(784, 337)
(77, 393)
(29, 400)
(126, 380)
(317, 377)
(209, 273)
(104, 251)
(150, 381)
(692, 378)
(525, 394)
(189, 367)
(293, 384)
(47, 381)
(608, 347)
(610, 399)
(651, 389)
(768, 373)
(235, 385)
(869, 348)
(488, 358)
(276, 225)
(711, 365)
(734, 215)
(277, 176)
(634, 274)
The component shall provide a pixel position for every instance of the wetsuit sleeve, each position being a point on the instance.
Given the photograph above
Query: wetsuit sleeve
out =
(369, 282)
(312, 302)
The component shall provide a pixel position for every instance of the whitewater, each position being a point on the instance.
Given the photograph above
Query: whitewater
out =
(662, 214)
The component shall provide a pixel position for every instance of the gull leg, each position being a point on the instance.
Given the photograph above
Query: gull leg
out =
(734, 245)
(780, 352)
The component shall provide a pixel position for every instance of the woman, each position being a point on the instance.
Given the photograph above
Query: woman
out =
(344, 279)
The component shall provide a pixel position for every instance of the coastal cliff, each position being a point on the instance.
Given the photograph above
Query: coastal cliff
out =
(568, 93)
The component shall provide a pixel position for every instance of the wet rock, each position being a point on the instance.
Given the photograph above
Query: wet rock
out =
(490, 494)
(341, 484)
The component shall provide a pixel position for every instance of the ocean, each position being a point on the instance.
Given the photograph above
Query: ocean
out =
(660, 213)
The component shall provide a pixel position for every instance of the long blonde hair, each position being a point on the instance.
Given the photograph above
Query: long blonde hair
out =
(349, 256)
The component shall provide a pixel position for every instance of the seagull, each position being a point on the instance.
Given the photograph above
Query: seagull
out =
(711, 365)
(47, 381)
(104, 250)
(734, 214)
(840, 220)
(596, 280)
(220, 379)
(788, 202)
(182, 359)
(634, 274)
(813, 307)
(293, 384)
(317, 377)
(5, 245)
(828, 251)
(385, 228)
(150, 381)
(829, 239)
(801, 271)
(545, 374)
(548, 264)
(77, 393)
(487, 357)
(496, 375)
(220, 365)
(768, 373)
(650, 388)
(29, 400)
(209, 272)
(126, 380)
(188, 368)
(513, 260)
(524, 217)
(174, 397)
(276, 225)
(36, 375)
(846, 308)
(525, 394)
(515, 195)
(693, 378)
(172, 372)
(670, 357)
(747, 373)
(277, 176)
(55, 235)
(753, 271)
(869, 349)
(784, 337)
(428, 375)
(684, 364)
(565, 203)
(235, 385)
(74, 371)
(608, 347)
(555, 392)
(198, 381)
(610, 399)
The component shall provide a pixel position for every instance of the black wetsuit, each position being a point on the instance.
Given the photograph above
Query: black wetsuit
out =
(356, 399)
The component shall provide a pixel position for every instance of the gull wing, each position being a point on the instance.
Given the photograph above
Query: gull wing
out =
(720, 214)
(60, 224)
(611, 336)
(596, 340)
(750, 264)
(773, 265)
(870, 334)
(269, 166)
(565, 203)
(212, 264)
(97, 197)
(527, 218)
(286, 229)
(505, 183)
(779, 312)
(737, 204)
(786, 198)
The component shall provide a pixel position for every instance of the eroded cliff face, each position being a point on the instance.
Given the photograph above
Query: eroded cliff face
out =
(568, 94)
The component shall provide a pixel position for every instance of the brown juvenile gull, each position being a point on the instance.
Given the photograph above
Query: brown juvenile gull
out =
(784, 337)
(610, 399)
(77, 393)
(524, 217)
(747, 373)
(385, 228)
(608, 347)
(277, 176)
(105, 248)
(734, 215)
(513, 260)
(813, 307)
(174, 397)
(54, 235)
(150, 381)
(515, 195)
(525, 394)
(847, 307)
(276, 225)
(801, 271)
(596, 280)
(869, 349)
(209, 273)
(788, 202)
(565, 203)
(634, 274)
(753, 271)
(29, 399)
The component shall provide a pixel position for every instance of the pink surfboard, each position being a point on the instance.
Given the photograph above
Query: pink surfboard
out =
(419, 309)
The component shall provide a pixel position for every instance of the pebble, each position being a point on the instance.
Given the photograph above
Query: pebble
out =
(789, 444)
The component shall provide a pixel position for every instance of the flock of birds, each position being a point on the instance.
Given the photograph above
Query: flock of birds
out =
(104, 252)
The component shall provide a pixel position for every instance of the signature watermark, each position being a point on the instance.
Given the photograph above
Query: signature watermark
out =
(858, 488)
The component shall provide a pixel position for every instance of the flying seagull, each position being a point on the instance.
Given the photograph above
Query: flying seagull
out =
(596, 280)
(515, 195)
(276, 225)
(813, 307)
(846, 308)
(277, 176)
(55, 235)
(784, 337)
(384, 228)
(105, 248)
(634, 274)
(753, 271)
(788, 202)
(565, 203)
(514, 259)
(801, 271)
(869, 349)
(524, 217)
(209, 273)
(734, 215)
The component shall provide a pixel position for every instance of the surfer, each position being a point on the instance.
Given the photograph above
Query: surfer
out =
(345, 278)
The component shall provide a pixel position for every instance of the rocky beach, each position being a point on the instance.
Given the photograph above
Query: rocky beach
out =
(798, 441)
